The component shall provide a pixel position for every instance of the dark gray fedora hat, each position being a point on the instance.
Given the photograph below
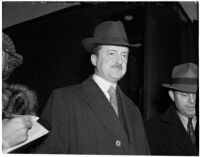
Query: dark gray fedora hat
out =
(108, 33)
(184, 78)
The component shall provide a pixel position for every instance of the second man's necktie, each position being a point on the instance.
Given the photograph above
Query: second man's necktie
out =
(190, 130)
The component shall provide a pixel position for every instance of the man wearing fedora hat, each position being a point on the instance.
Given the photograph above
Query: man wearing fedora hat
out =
(95, 117)
(176, 132)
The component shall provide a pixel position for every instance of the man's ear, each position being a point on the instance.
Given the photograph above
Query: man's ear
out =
(94, 59)
(171, 94)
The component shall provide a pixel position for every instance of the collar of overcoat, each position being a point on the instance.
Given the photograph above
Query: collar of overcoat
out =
(98, 102)
(177, 132)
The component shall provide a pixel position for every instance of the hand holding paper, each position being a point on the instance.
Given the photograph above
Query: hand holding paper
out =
(34, 133)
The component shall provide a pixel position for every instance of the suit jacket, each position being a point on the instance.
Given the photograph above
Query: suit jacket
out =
(167, 135)
(83, 122)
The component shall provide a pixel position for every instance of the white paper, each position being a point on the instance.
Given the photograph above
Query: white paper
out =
(35, 132)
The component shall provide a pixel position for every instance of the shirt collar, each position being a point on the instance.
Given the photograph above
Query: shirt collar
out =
(184, 120)
(102, 83)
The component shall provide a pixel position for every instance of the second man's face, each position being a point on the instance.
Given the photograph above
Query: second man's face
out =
(111, 62)
(184, 102)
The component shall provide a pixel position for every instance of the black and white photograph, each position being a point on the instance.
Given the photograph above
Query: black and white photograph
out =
(100, 77)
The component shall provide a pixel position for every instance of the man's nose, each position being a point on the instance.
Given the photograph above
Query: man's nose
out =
(192, 98)
(119, 59)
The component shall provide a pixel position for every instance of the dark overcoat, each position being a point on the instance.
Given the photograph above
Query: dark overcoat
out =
(167, 135)
(83, 122)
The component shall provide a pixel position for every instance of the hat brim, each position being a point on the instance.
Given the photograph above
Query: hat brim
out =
(89, 43)
(189, 88)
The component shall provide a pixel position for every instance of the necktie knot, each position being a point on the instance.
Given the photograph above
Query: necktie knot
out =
(111, 91)
(190, 119)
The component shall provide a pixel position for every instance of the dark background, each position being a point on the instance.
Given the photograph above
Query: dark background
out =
(54, 57)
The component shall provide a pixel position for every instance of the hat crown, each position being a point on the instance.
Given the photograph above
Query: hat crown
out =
(188, 70)
(8, 44)
(107, 33)
(14, 59)
(184, 78)
(111, 30)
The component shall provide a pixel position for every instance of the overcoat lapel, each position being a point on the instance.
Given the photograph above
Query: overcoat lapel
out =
(98, 102)
(127, 120)
(126, 115)
(177, 132)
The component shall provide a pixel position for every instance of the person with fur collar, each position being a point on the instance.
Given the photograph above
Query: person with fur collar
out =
(16, 100)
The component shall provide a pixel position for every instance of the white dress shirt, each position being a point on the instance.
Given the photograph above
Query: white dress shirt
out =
(184, 121)
(104, 85)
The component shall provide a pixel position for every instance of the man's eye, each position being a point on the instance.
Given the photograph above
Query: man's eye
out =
(125, 56)
(111, 53)
(184, 94)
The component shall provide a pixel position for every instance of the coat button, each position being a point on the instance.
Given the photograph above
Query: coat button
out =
(118, 143)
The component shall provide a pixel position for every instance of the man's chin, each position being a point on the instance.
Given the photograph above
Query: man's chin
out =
(191, 114)
(115, 80)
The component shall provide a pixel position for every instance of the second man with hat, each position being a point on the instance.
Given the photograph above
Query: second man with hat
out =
(176, 131)
(95, 117)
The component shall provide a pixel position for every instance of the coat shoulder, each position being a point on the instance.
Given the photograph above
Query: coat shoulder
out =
(68, 90)
(127, 99)
(132, 106)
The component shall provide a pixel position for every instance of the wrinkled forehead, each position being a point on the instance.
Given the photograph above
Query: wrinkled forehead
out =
(183, 93)
(115, 48)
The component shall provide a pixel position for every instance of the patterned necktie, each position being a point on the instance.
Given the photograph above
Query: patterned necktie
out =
(190, 130)
(113, 98)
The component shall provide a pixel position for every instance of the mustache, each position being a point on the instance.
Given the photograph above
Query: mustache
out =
(118, 66)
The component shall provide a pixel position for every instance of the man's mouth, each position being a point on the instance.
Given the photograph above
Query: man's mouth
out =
(190, 107)
(119, 67)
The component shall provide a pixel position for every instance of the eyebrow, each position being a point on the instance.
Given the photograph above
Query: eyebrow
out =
(112, 50)
(116, 50)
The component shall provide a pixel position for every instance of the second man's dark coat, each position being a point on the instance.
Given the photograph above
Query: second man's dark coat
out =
(167, 135)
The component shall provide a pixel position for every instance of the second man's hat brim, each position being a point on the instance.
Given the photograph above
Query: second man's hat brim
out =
(182, 87)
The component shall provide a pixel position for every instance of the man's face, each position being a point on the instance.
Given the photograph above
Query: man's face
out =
(185, 102)
(111, 62)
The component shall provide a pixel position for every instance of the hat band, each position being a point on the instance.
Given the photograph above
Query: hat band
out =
(184, 81)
